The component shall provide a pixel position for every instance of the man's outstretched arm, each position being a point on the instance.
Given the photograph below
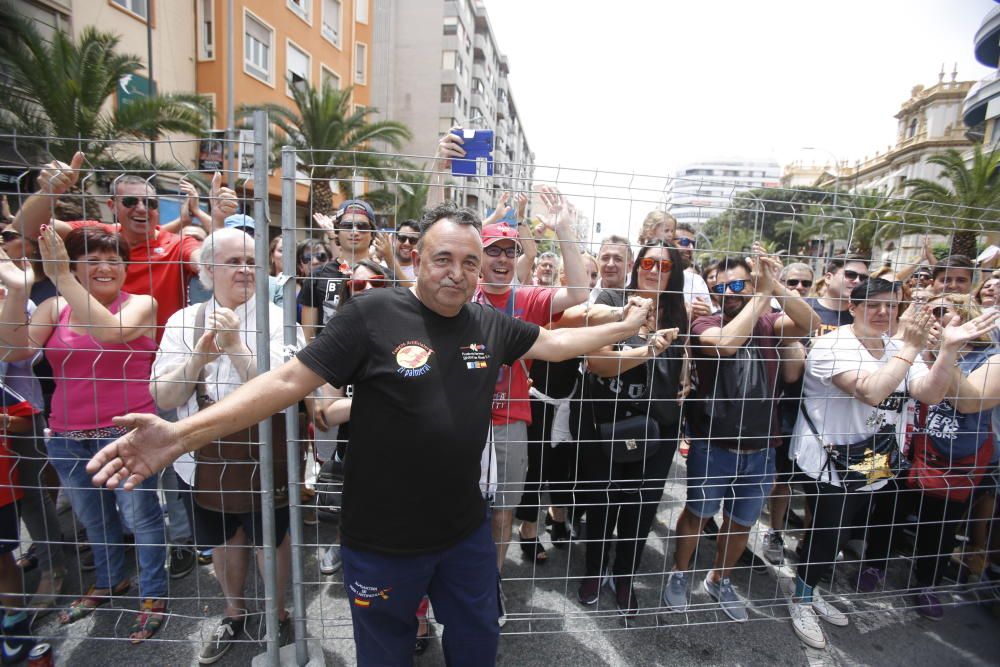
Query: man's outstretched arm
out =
(153, 443)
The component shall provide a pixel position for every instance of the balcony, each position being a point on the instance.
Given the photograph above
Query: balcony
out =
(987, 39)
(978, 99)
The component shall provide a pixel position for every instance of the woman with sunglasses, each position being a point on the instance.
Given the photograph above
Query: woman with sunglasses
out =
(857, 383)
(101, 342)
(954, 436)
(638, 378)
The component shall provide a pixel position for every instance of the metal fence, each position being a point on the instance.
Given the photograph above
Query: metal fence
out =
(541, 597)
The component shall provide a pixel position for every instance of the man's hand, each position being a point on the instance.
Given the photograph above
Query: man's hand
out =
(450, 146)
(150, 446)
(636, 312)
(191, 198)
(58, 177)
(324, 222)
(700, 307)
(521, 204)
(226, 325)
(501, 211)
(660, 340)
(224, 201)
(766, 270)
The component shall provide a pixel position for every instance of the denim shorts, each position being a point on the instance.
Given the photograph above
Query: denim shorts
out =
(742, 479)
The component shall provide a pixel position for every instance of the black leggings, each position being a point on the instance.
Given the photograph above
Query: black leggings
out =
(835, 514)
(623, 496)
(937, 520)
(554, 467)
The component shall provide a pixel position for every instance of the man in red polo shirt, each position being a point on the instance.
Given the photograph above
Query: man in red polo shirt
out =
(160, 263)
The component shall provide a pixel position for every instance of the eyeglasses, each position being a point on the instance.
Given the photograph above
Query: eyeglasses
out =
(9, 235)
(356, 226)
(792, 282)
(854, 275)
(685, 243)
(922, 276)
(939, 312)
(647, 264)
(360, 284)
(404, 238)
(149, 202)
(318, 256)
(496, 251)
(734, 286)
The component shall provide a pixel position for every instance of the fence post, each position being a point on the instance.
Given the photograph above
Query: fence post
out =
(263, 324)
(292, 411)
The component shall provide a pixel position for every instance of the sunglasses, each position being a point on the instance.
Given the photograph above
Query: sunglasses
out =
(734, 286)
(360, 284)
(318, 256)
(685, 243)
(647, 264)
(149, 202)
(854, 275)
(792, 282)
(356, 226)
(939, 312)
(496, 251)
(9, 235)
(922, 276)
(403, 238)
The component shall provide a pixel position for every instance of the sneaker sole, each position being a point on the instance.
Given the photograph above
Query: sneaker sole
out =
(329, 570)
(214, 659)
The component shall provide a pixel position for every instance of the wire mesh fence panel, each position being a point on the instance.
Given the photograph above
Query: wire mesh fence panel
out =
(799, 429)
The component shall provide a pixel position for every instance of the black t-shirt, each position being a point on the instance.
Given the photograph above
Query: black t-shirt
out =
(322, 290)
(830, 319)
(423, 387)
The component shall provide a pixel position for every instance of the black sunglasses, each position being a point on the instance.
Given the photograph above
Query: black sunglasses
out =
(854, 275)
(131, 202)
(9, 235)
(319, 257)
(405, 238)
(939, 312)
(922, 276)
(735, 286)
(792, 282)
(357, 226)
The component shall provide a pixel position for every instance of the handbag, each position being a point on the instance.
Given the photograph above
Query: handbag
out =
(227, 471)
(941, 475)
(631, 439)
(864, 462)
(330, 486)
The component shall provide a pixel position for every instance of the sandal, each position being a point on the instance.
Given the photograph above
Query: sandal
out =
(88, 602)
(533, 549)
(42, 603)
(147, 623)
(560, 534)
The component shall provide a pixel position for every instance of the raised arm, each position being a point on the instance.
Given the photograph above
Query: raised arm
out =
(153, 443)
(54, 180)
(562, 218)
(136, 318)
(20, 339)
(609, 362)
(449, 146)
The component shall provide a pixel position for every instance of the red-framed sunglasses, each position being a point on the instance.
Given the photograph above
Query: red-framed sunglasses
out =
(647, 264)
(360, 284)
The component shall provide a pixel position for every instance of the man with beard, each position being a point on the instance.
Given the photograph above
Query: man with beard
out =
(547, 269)
(733, 419)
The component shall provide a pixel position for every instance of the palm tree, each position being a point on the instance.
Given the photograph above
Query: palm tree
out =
(868, 218)
(968, 196)
(333, 142)
(54, 93)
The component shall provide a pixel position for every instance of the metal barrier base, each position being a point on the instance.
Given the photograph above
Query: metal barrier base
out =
(287, 656)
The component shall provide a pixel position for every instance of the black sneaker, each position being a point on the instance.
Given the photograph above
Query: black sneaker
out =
(753, 561)
(502, 604)
(711, 529)
(625, 597)
(589, 591)
(182, 561)
(225, 635)
(17, 641)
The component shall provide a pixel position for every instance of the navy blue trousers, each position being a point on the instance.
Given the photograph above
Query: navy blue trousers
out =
(384, 592)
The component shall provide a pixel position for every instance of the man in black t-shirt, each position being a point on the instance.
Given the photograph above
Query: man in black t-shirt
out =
(843, 274)
(424, 362)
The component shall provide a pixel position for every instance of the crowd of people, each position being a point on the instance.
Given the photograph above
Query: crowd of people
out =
(565, 385)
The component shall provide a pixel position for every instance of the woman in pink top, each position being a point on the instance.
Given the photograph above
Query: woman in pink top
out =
(101, 343)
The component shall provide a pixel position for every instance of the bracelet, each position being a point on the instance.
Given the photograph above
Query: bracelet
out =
(902, 359)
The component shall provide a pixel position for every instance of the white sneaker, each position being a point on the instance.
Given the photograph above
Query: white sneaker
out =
(806, 625)
(827, 611)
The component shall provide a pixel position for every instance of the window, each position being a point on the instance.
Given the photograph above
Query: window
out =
(451, 25)
(297, 67)
(448, 91)
(332, 20)
(361, 11)
(360, 63)
(138, 7)
(303, 8)
(448, 59)
(329, 78)
(257, 39)
(913, 129)
(206, 29)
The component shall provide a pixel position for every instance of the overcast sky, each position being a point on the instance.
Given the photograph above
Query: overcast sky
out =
(658, 84)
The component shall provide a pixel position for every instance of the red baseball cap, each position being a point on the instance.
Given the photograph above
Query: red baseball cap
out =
(499, 231)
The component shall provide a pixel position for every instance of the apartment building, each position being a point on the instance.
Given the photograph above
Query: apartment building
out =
(702, 190)
(438, 64)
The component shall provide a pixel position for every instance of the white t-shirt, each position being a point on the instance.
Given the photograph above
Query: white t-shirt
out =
(407, 271)
(695, 287)
(841, 418)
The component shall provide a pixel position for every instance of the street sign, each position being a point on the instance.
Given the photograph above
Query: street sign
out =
(132, 86)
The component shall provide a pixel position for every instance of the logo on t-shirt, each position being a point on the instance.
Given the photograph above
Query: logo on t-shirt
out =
(411, 357)
(475, 356)
(363, 595)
